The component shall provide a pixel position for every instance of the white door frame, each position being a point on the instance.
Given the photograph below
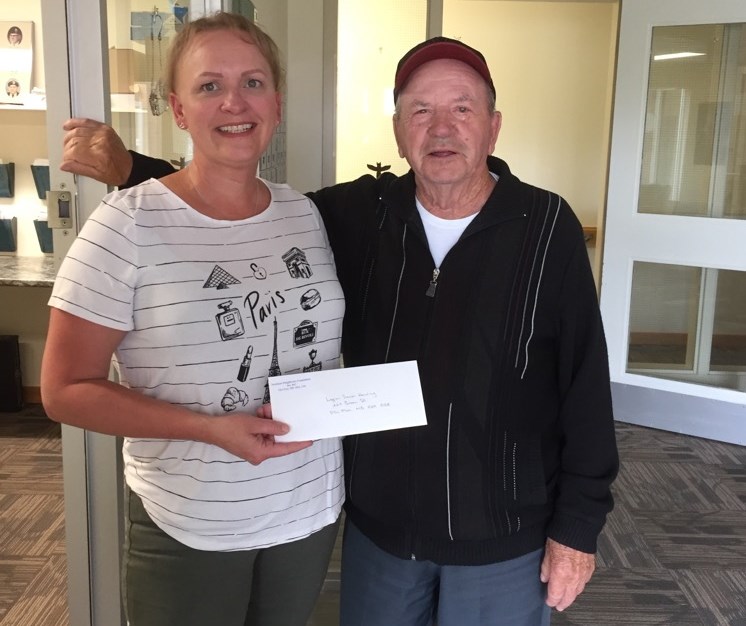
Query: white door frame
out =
(694, 409)
(91, 462)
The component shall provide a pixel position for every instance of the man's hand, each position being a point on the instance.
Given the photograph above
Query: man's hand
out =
(94, 149)
(566, 571)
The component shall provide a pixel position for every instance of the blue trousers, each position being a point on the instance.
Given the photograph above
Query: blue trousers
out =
(379, 589)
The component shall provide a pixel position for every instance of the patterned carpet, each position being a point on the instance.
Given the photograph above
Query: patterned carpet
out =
(674, 549)
(673, 552)
(32, 532)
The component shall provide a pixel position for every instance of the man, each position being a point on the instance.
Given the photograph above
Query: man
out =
(12, 88)
(491, 512)
(15, 36)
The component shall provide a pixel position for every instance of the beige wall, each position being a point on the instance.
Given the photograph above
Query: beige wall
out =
(369, 49)
(23, 310)
(552, 65)
(24, 136)
(303, 105)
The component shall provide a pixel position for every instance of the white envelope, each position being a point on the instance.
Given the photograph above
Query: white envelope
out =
(346, 401)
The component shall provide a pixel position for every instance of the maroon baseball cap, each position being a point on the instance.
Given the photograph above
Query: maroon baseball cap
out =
(440, 48)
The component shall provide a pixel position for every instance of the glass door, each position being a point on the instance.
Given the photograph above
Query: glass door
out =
(73, 63)
(673, 289)
(139, 35)
(103, 61)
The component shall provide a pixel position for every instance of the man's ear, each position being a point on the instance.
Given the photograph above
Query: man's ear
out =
(495, 126)
(394, 121)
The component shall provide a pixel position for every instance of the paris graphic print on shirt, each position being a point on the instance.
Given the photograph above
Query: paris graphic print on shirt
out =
(313, 366)
(274, 368)
(220, 279)
(257, 308)
(229, 321)
(297, 263)
(243, 370)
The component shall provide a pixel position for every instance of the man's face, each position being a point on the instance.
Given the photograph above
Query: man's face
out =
(14, 38)
(445, 129)
(12, 89)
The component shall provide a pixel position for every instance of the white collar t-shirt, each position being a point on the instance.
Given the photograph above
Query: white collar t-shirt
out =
(442, 234)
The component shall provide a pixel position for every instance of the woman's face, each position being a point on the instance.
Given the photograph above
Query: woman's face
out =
(225, 96)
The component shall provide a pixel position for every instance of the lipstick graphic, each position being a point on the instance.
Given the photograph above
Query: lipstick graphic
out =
(243, 371)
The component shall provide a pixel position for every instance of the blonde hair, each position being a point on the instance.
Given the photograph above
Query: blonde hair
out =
(247, 30)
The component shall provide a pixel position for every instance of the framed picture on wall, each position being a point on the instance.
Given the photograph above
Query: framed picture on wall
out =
(16, 60)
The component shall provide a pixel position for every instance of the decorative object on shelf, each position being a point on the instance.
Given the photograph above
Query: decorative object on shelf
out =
(181, 14)
(44, 235)
(157, 99)
(8, 229)
(40, 171)
(378, 168)
(7, 179)
(16, 61)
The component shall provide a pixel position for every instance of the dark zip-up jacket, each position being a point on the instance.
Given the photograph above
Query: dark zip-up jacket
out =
(509, 343)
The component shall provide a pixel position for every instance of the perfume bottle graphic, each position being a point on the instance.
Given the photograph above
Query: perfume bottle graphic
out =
(243, 371)
(229, 321)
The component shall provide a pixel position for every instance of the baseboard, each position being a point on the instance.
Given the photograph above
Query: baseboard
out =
(32, 395)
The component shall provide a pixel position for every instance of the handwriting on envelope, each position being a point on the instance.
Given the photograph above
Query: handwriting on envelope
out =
(334, 403)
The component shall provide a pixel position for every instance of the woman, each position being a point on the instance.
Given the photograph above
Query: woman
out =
(196, 284)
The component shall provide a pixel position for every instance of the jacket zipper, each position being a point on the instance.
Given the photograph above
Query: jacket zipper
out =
(430, 293)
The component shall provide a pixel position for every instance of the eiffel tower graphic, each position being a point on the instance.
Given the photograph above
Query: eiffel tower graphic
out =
(274, 367)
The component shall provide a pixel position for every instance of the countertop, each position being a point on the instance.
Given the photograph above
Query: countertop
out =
(27, 271)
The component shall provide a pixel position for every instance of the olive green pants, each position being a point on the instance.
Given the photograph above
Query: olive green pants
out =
(165, 583)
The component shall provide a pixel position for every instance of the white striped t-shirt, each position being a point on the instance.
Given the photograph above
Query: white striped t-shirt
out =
(202, 301)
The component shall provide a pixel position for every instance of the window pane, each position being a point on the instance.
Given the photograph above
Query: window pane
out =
(729, 336)
(694, 152)
(688, 324)
(663, 316)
